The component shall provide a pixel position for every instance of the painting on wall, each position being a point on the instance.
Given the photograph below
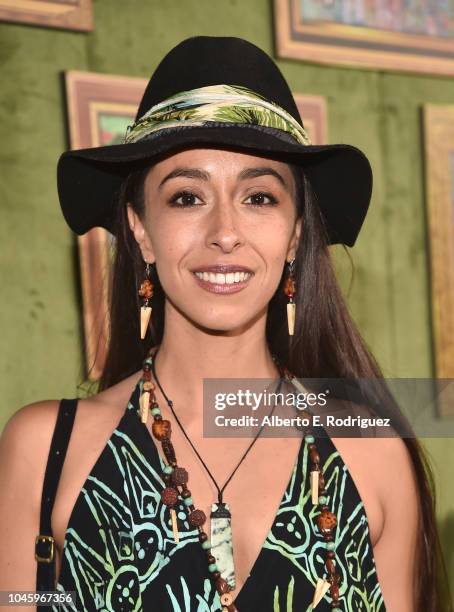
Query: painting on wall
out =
(439, 157)
(403, 35)
(65, 14)
(313, 112)
(100, 107)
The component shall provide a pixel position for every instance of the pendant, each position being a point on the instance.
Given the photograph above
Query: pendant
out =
(145, 314)
(320, 589)
(314, 486)
(291, 307)
(221, 541)
(173, 516)
(144, 405)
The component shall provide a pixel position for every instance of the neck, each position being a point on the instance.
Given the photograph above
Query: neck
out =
(186, 357)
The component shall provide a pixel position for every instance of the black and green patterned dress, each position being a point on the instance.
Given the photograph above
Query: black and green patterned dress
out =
(119, 552)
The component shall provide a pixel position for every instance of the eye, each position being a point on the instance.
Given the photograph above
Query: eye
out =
(187, 199)
(257, 199)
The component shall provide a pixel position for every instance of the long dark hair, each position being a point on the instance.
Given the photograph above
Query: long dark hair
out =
(326, 344)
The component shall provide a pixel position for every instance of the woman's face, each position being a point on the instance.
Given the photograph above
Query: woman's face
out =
(211, 207)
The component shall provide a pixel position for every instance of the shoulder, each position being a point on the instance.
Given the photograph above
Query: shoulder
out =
(24, 446)
(27, 431)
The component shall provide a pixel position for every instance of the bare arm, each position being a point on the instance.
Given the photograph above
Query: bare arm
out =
(24, 448)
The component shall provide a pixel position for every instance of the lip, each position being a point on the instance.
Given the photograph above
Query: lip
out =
(222, 288)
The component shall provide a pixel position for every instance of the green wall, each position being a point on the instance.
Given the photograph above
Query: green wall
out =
(380, 112)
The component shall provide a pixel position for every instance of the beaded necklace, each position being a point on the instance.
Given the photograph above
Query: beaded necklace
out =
(176, 478)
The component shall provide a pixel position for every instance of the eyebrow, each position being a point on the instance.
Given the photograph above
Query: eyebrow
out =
(247, 173)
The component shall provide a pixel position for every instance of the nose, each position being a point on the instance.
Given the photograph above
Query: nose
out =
(224, 226)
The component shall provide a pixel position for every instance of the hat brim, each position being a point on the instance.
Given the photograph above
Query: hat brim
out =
(88, 180)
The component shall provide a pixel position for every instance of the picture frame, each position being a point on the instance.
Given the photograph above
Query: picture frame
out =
(438, 127)
(64, 14)
(99, 108)
(355, 34)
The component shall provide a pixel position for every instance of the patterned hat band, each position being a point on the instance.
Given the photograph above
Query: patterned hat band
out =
(214, 104)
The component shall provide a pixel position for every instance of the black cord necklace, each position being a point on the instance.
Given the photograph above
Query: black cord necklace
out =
(221, 528)
(170, 404)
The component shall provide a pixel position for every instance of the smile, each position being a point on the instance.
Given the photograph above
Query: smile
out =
(223, 283)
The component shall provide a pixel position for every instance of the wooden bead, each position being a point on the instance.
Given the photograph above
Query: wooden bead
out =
(330, 554)
(146, 289)
(211, 559)
(169, 496)
(330, 566)
(161, 429)
(216, 574)
(203, 536)
(169, 451)
(197, 518)
(180, 476)
(226, 599)
(328, 536)
(222, 586)
(321, 483)
(186, 493)
(289, 287)
(315, 457)
(334, 591)
(326, 521)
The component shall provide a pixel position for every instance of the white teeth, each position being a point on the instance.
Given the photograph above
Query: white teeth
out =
(223, 279)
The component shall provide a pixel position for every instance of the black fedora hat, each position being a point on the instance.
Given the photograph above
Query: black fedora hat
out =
(221, 91)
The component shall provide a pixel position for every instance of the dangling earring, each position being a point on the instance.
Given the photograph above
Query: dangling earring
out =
(145, 292)
(289, 290)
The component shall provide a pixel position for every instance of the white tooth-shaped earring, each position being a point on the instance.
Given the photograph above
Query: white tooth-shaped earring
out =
(289, 290)
(145, 292)
(145, 315)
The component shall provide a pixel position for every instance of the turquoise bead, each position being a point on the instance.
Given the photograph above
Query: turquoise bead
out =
(322, 499)
(206, 545)
(212, 567)
(188, 501)
(335, 610)
(309, 439)
(330, 546)
(155, 411)
(168, 469)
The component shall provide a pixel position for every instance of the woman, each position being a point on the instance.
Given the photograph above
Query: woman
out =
(223, 212)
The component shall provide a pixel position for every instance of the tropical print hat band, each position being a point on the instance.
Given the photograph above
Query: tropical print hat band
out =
(215, 104)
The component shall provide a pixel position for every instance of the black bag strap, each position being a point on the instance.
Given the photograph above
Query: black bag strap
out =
(45, 543)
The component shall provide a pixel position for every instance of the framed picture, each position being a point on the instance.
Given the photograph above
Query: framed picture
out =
(65, 14)
(100, 107)
(411, 36)
(439, 156)
(313, 112)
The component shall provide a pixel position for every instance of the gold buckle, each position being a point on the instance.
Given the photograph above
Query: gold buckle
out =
(49, 539)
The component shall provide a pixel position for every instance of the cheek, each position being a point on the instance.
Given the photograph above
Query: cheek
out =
(172, 240)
